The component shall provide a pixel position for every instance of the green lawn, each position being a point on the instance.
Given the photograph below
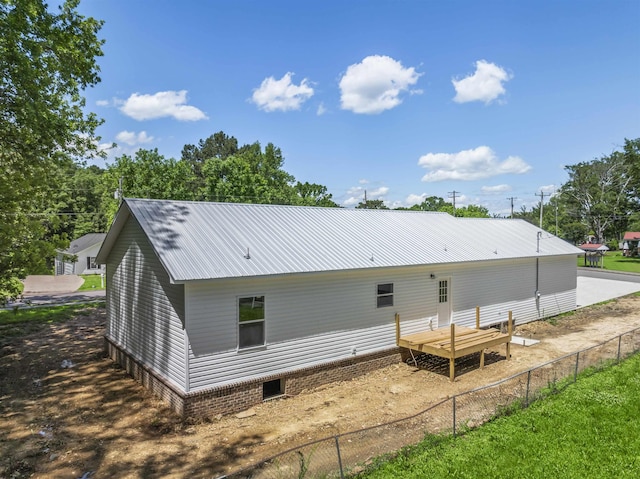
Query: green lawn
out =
(587, 430)
(614, 261)
(91, 281)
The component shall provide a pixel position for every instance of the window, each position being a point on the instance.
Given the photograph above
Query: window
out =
(443, 293)
(272, 389)
(385, 295)
(91, 262)
(251, 321)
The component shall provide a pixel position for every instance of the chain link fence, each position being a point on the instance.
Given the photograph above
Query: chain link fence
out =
(348, 454)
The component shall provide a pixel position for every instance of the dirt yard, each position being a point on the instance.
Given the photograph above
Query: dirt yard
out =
(66, 411)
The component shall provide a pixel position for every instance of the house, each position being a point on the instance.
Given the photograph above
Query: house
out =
(630, 243)
(80, 257)
(218, 306)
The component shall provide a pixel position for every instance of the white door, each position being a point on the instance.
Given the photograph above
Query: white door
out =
(444, 301)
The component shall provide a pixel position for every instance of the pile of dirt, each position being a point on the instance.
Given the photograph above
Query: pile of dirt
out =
(67, 411)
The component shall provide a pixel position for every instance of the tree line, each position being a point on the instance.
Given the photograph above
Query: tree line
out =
(600, 199)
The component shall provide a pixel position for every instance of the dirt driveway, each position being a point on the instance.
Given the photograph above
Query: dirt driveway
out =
(58, 421)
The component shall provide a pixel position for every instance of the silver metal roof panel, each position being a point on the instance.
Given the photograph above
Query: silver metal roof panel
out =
(200, 240)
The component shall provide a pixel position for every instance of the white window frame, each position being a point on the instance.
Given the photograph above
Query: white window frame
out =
(254, 297)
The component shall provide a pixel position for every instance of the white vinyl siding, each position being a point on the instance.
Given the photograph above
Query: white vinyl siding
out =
(321, 317)
(145, 312)
(310, 319)
(510, 285)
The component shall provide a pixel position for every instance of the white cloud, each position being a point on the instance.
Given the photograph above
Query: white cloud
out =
(377, 193)
(414, 199)
(321, 109)
(486, 84)
(282, 95)
(394, 205)
(548, 189)
(356, 194)
(102, 102)
(375, 84)
(468, 165)
(497, 189)
(132, 138)
(352, 201)
(160, 105)
(461, 200)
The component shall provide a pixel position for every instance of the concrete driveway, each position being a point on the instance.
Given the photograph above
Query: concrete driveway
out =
(596, 286)
(63, 289)
(67, 283)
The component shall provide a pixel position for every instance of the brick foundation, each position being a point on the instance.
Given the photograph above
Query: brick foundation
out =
(240, 396)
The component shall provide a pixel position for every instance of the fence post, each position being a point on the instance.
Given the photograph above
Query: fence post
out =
(339, 457)
(526, 401)
(454, 417)
(619, 344)
(575, 373)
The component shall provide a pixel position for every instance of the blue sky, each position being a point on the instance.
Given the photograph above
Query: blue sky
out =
(403, 99)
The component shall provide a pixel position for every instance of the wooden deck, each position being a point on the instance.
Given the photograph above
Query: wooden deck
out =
(455, 342)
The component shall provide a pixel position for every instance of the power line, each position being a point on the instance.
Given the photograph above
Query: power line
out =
(53, 214)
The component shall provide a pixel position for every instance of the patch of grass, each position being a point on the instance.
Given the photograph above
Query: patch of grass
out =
(585, 430)
(19, 322)
(91, 282)
(616, 262)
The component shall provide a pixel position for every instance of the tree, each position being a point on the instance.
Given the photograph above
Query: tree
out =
(311, 194)
(249, 176)
(631, 159)
(218, 146)
(46, 61)
(472, 211)
(146, 175)
(597, 193)
(431, 203)
(372, 205)
(87, 190)
(435, 203)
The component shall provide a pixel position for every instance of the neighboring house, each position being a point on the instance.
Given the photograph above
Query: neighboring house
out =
(217, 306)
(80, 257)
(630, 243)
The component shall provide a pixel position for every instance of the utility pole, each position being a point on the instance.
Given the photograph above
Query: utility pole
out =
(118, 193)
(452, 194)
(556, 201)
(542, 195)
(512, 199)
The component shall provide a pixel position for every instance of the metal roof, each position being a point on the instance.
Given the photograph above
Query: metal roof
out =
(200, 240)
(593, 247)
(84, 242)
